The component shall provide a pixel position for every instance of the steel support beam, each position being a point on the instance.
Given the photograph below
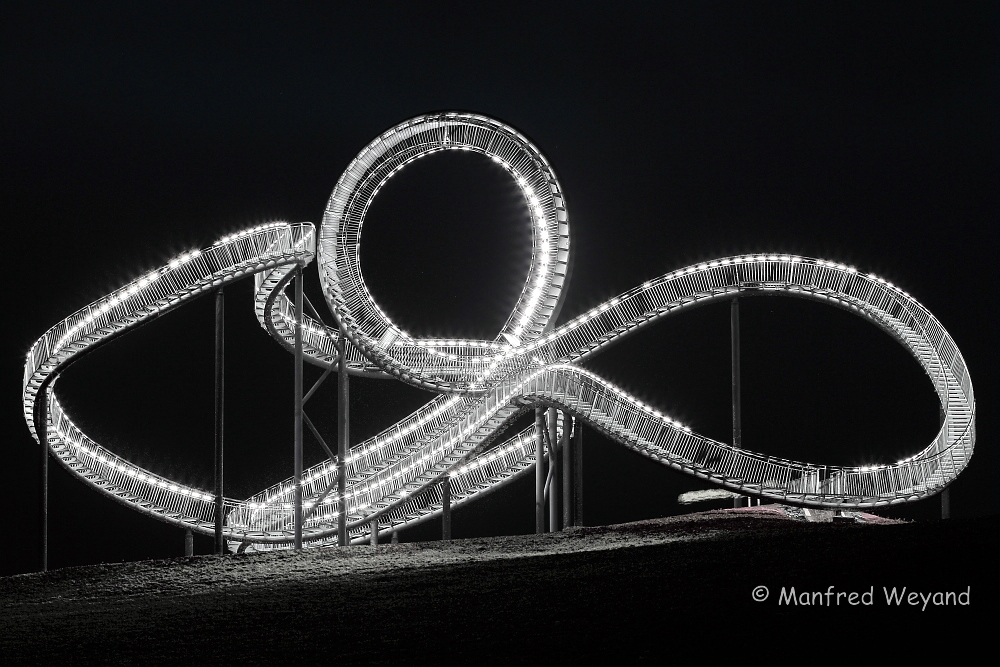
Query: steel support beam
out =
(734, 325)
(316, 434)
(343, 433)
(566, 458)
(316, 385)
(446, 508)
(42, 429)
(554, 472)
(312, 309)
(539, 470)
(578, 472)
(220, 400)
(298, 407)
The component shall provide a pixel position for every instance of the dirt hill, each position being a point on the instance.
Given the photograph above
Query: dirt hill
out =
(626, 591)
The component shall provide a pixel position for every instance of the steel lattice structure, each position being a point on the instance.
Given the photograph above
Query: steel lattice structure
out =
(483, 385)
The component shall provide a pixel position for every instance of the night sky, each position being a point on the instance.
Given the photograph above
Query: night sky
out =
(849, 132)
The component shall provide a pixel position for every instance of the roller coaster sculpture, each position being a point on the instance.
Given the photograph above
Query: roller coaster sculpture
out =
(482, 386)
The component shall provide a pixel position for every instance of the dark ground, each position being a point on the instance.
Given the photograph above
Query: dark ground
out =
(633, 590)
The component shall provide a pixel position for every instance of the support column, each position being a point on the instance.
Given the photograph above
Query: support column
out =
(343, 433)
(373, 527)
(446, 508)
(734, 322)
(554, 472)
(220, 399)
(578, 472)
(42, 430)
(566, 458)
(188, 542)
(298, 408)
(539, 470)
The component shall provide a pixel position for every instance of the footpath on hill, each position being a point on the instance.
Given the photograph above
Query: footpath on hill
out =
(609, 590)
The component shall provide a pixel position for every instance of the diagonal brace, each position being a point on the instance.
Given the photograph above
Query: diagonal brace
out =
(320, 381)
(315, 432)
(313, 310)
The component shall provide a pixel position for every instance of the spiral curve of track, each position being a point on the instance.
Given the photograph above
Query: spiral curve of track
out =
(392, 478)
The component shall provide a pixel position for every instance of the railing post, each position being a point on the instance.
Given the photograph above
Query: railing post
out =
(220, 398)
(446, 508)
(734, 325)
(343, 433)
(539, 470)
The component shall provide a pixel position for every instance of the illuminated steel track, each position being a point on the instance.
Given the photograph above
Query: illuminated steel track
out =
(393, 479)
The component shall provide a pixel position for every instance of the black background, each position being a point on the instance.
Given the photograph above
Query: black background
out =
(858, 133)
